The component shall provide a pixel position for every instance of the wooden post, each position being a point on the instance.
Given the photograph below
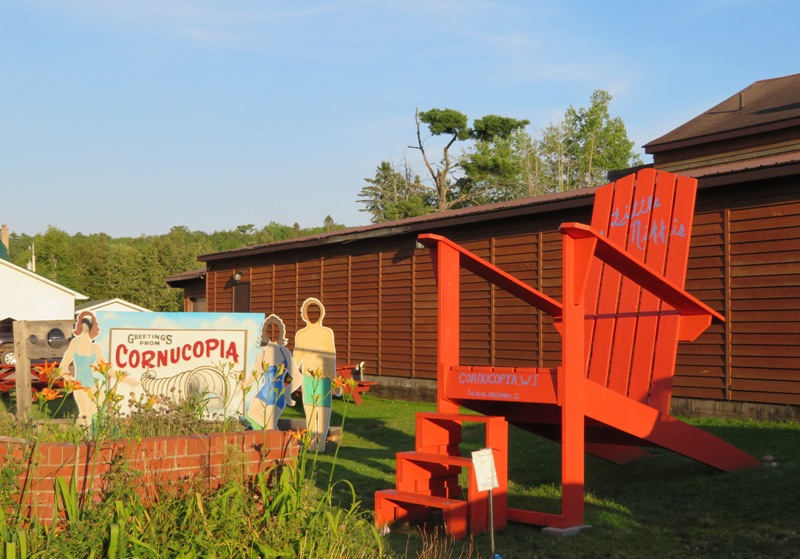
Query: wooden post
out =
(446, 267)
(22, 370)
(576, 260)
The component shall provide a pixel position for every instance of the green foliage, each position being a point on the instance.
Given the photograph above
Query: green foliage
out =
(493, 127)
(393, 194)
(663, 507)
(134, 269)
(580, 150)
(503, 162)
(281, 513)
(446, 121)
(496, 170)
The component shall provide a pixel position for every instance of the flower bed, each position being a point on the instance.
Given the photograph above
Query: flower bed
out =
(158, 462)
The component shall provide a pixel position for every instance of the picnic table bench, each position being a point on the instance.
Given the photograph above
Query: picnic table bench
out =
(39, 379)
(356, 373)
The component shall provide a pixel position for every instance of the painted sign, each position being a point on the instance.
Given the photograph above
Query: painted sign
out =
(176, 355)
(641, 227)
(514, 384)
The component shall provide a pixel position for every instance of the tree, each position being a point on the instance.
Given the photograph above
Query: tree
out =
(499, 168)
(394, 194)
(490, 131)
(53, 256)
(579, 151)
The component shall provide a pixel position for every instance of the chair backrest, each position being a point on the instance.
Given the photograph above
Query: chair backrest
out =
(632, 337)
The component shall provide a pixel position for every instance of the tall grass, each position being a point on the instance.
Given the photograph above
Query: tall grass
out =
(279, 513)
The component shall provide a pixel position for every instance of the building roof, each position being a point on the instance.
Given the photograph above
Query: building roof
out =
(524, 206)
(181, 278)
(100, 304)
(44, 280)
(764, 106)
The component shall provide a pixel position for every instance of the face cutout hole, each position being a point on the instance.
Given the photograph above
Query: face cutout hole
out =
(313, 313)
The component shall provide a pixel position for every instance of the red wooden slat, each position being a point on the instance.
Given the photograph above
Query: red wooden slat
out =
(667, 336)
(601, 219)
(642, 223)
(650, 305)
(608, 279)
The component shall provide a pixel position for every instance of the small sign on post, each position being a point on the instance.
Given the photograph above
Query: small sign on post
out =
(485, 472)
(486, 478)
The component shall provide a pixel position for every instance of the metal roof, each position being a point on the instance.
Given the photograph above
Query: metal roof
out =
(524, 206)
(176, 280)
(763, 106)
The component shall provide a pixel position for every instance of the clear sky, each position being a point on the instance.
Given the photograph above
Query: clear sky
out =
(129, 117)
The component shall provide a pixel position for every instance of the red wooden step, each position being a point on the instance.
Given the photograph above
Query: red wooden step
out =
(392, 505)
(430, 473)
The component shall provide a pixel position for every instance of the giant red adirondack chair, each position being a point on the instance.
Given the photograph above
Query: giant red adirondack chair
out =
(622, 312)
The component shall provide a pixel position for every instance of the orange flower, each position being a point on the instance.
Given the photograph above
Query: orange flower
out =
(50, 394)
(299, 434)
(341, 382)
(101, 368)
(73, 385)
(47, 368)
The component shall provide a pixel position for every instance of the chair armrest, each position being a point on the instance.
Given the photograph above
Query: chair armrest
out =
(685, 303)
(495, 275)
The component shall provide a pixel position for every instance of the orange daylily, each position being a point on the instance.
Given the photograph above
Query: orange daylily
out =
(101, 368)
(73, 385)
(299, 434)
(49, 394)
(47, 368)
(341, 382)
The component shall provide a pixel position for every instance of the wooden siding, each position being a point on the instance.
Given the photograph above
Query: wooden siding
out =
(380, 295)
(765, 297)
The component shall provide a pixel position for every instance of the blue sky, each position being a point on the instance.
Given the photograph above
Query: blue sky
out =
(129, 117)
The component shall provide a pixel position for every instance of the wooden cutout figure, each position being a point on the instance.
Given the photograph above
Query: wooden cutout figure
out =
(315, 354)
(89, 369)
(82, 353)
(274, 362)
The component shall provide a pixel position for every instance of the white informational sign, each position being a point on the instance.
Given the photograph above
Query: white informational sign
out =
(485, 472)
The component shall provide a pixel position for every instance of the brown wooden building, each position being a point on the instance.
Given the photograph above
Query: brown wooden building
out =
(379, 290)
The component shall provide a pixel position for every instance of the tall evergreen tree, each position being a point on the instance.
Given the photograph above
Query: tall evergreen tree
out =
(393, 194)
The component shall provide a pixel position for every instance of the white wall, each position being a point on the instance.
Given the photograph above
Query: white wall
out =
(23, 297)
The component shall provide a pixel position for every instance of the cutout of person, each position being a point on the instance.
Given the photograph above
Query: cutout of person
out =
(315, 354)
(274, 362)
(83, 353)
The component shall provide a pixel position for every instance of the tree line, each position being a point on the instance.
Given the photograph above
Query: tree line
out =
(499, 160)
(134, 269)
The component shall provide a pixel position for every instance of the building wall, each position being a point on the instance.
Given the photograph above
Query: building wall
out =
(25, 298)
(380, 294)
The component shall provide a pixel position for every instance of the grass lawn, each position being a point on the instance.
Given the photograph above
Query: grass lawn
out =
(665, 506)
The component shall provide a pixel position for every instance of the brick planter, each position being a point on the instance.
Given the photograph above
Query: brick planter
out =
(160, 461)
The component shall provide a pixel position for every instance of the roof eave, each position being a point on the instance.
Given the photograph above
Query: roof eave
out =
(656, 146)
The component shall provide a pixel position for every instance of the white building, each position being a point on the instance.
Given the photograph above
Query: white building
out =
(119, 305)
(28, 296)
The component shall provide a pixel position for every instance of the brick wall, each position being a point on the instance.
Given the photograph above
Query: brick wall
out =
(160, 462)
